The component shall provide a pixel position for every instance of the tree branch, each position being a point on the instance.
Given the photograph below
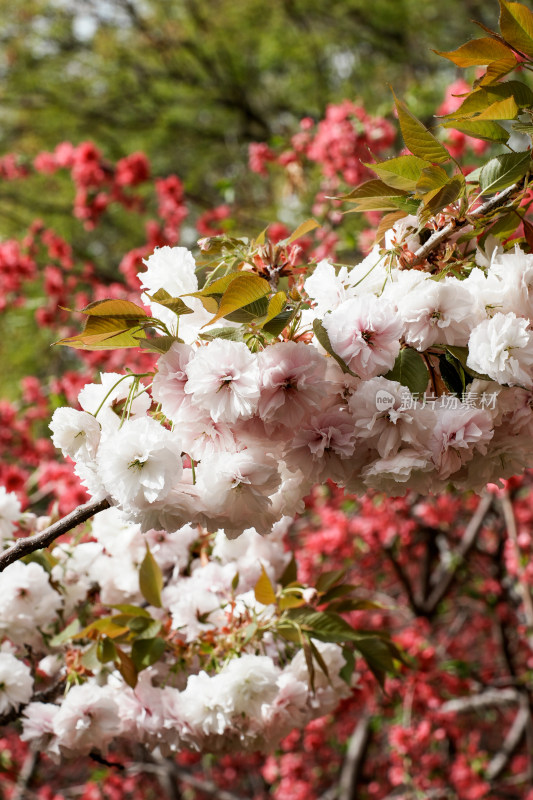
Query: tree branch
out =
(353, 762)
(439, 236)
(478, 702)
(512, 740)
(467, 542)
(30, 544)
(510, 524)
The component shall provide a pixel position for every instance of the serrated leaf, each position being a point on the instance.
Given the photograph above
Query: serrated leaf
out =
(438, 199)
(277, 325)
(431, 180)
(175, 304)
(244, 290)
(126, 667)
(249, 313)
(497, 70)
(410, 370)
(337, 591)
(502, 109)
(476, 52)
(306, 227)
(150, 579)
(276, 304)
(263, 590)
(523, 127)
(516, 25)
(308, 653)
(105, 333)
(161, 344)
(479, 100)
(218, 286)
(372, 188)
(317, 655)
(328, 579)
(400, 173)
(419, 140)
(503, 170)
(323, 625)
(322, 336)
(378, 656)
(119, 309)
(145, 652)
(502, 228)
(232, 334)
(488, 131)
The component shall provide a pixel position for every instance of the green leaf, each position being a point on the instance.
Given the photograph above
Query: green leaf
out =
(317, 655)
(118, 309)
(516, 25)
(481, 99)
(502, 228)
(452, 374)
(242, 291)
(378, 655)
(431, 180)
(440, 198)
(150, 579)
(105, 333)
(131, 610)
(145, 652)
(67, 633)
(175, 304)
(347, 671)
(161, 344)
(126, 667)
(400, 173)
(323, 625)
(504, 170)
(277, 325)
(328, 579)
(306, 227)
(290, 573)
(419, 140)
(410, 370)
(502, 109)
(477, 52)
(276, 304)
(488, 131)
(461, 354)
(263, 590)
(322, 336)
(252, 312)
(106, 650)
(103, 626)
(232, 334)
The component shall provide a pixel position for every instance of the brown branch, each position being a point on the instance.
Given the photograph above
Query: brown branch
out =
(510, 524)
(439, 236)
(25, 775)
(402, 577)
(354, 760)
(467, 542)
(170, 773)
(512, 740)
(478, 702)
(29, 544)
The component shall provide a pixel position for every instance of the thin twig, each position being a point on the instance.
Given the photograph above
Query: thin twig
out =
(354, 760)
(29, 544)
(25, 775)
(168, 766)
(510, 524)
(445, 580)
(478, 702)
(402, 577)
(45, 696)
(439, 236)
(512, 740)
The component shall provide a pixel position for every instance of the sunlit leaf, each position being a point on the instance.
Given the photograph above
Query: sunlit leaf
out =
(306, 227)
(488, 131)
(476, 52)
(150, 579)
(419, 140)
(175, 304)
(400, 173)
(263, 590)
(242, 291)
(516, 25)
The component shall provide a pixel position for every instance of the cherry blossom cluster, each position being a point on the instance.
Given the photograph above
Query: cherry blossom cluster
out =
(208, 617)
(246, 434)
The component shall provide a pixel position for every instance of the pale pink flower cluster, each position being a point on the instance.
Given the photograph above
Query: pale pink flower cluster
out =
(258, 696)
(242, 436)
